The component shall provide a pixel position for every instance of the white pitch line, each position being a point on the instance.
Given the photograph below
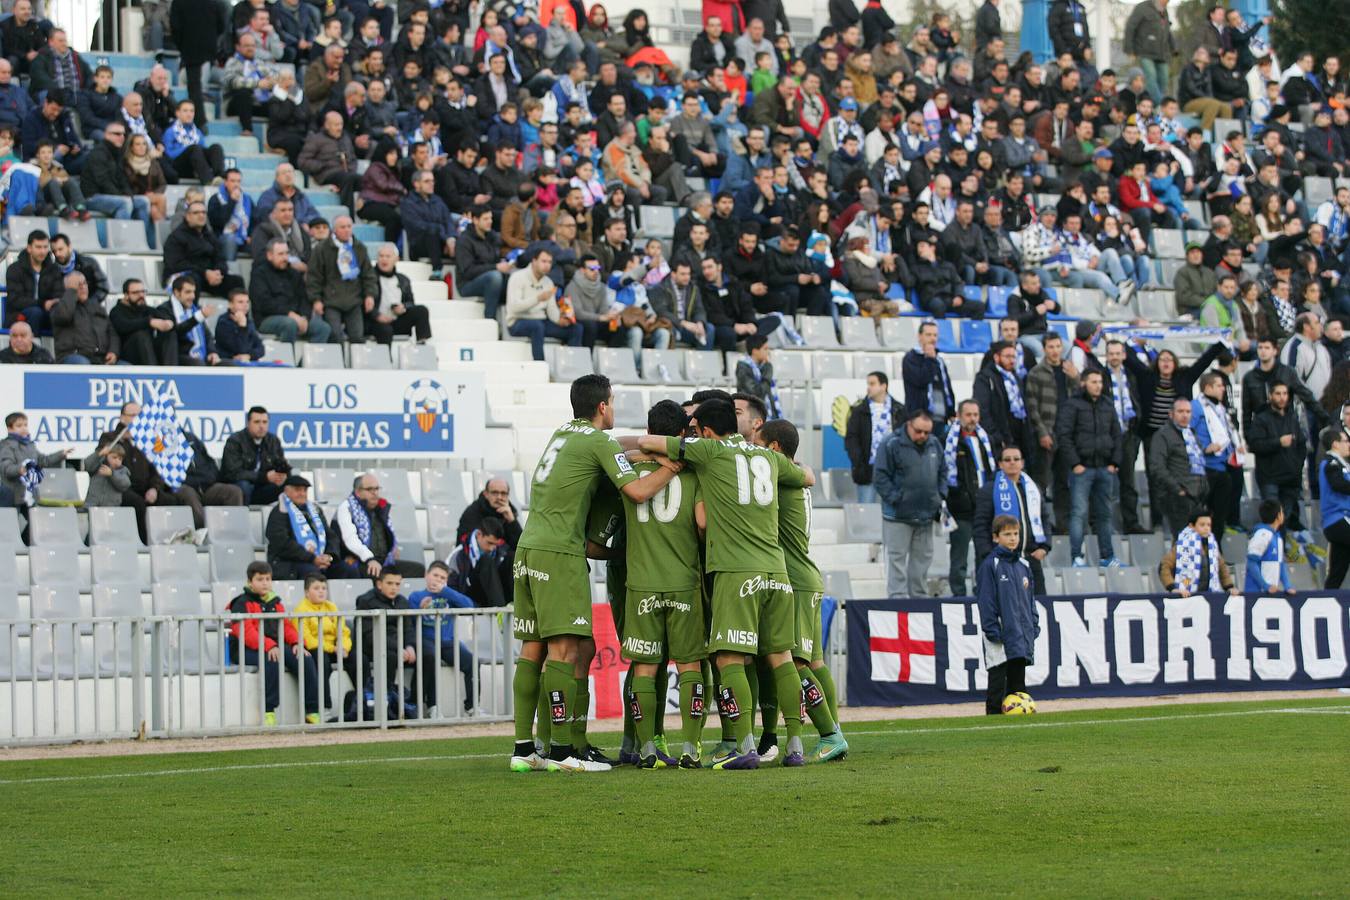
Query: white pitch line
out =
(456, 757)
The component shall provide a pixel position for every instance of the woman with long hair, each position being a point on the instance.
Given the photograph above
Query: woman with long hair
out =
(637, 37)
(382, 190)
(145, 173)
(1270, 220)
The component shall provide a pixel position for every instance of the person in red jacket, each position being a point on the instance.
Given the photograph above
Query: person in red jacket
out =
(269, 642)
(1139, 202)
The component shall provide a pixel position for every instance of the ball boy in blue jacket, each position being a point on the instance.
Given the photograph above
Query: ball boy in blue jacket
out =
(1008, 616)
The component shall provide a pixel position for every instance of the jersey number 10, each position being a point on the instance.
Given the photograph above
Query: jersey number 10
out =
(665, 505)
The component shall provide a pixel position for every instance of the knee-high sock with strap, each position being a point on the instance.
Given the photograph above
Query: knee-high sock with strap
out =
(662, 692)
(734, 683)
(644, 692)
(560, 694)
(768, 694)
(525, 695)
(813, 695)
(827, 685)
(789, 697)
(691, 719)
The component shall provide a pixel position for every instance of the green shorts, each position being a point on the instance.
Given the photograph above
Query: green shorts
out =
(664, 625)
(809, 647)
(752, 612)
(552, 595)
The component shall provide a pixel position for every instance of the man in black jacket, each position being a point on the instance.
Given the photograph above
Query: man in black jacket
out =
(281, 304)
(870, 419)
(33, 285)
(23, 37)
(104, 182)
(457, 182)
(197, 27)
(479, 267)
(1261, 379)
(203, 477)
(1068, 26)
(401, 638)
(712, 48)
(1029, 510)
(147, 336)
(68, 260)
(968, 447)
(1087, 434)
(1000, 394)
(254, 460)
(494, 501)
(192, 249)
(299, 544)
(1279, 442)
(1176, 468)
(939, 284)
(730, 312)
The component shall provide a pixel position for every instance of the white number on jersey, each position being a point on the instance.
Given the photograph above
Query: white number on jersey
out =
(806, 502)
(548, 459)
(665, 505)
(754, 477)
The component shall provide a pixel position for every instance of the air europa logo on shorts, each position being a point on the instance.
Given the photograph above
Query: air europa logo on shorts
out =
(762, 583)
(523, 570)
(653, 603)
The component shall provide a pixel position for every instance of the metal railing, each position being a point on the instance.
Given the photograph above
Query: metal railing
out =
(106, 678)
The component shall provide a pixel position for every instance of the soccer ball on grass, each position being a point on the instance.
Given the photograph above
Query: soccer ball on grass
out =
(1018, 704)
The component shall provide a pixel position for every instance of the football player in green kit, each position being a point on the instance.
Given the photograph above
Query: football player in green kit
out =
(552, 584)
(794, 531)
(753, 611)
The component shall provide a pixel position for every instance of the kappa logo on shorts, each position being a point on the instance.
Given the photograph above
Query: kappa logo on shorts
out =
(580, 621)
(523, 571)
(757, 583)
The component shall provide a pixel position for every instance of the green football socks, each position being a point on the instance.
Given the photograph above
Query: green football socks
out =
(525, 694)
(662, 692)
(629, 733)
(692, 714)
(736, 694)
(789, 697)
(644, 724)
(752, 679)
(768, 695)
(581, 711)
(827, 685)
(560, 694)
(728, 729)
(708, 697)
(813, 697)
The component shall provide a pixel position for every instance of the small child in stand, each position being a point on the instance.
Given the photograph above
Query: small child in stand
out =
(657, 268)
(335, 632)
(1267, 572)
(271, 643)
(763, 77)
(108, 478)
(60, 190)
(7, 155)
(1194, 564)
(546, 194)
(439, 596)
(1008, 615)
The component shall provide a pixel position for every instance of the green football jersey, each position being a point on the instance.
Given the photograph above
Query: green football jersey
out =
(739, 483)
(794, 532)
(604, 525)
(576, 457)
(662, 536)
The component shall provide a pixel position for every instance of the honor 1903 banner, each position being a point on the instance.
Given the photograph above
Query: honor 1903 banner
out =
(914, 651)
(328, 412)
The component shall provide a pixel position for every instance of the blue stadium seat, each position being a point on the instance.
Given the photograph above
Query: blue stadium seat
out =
(998, 301)
(973, 293)
(975, 336)
(949, 335)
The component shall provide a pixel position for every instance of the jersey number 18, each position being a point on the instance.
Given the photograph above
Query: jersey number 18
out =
(754, 478)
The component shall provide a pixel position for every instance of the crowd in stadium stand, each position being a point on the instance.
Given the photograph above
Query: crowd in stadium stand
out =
(874, 170)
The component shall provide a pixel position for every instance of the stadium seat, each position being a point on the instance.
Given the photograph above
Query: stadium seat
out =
(114, 564)
(54, 526)
(120, 269)
(617, 364)
(900, 332)
(279, 351)
(703, 367)
(838, 585)
(1082, 581)
(662, 367)
(112, 526)
(403, 519)
(230, 525)
(370, 356)
(344, 591)
(840, 486)
(56, 566)
(443, 487)
(630, 409)
(229, 561)
(1169, 243)
(859, 333)
(976, 335)
(127, 236)
(175, 562)
(567, 364)
(9, 529)
(113, 644)
(949, 335)
(833, 365)
(394, 487)
(9, 567)
(1317, 190)
(333, 485)
(59, 486)
(57, 652)
(1157, 306)
(870, 362)
(1082, 303)
(322, 356)
(1168, 269)
(17, 664)
(819, 333)
(417, 356)
(162, 523)
(20, 226)
(998, 301)
(789, 367)
(1126, 580)
(443, 526)
(180, 598)
(657, 221)
(84, 235)
(862, 523)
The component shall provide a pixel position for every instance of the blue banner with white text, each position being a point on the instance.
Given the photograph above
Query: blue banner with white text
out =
(919, 650)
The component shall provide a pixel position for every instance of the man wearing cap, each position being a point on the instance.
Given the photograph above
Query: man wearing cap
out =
(841, 126)
(1194, 281)
(298, 542)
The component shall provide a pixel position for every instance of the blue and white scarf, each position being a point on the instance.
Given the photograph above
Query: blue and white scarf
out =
(1120, 394)
(1015, 404)
(775, 406)
(135, 124)
(70, 264)
(1284, 311)
(187, 135)
(253, 72)
(1189, 552)
(361, 519)
(881, 425)
(984, 465)
(197, 332)
(310, 535)
(239, 215)
(474, 550)
(30, 476)
(1193, 451)
(348, 266)
(1008, 502)
(1021, 366)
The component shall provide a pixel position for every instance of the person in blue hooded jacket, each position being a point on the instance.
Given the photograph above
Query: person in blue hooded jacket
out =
(1008, 615)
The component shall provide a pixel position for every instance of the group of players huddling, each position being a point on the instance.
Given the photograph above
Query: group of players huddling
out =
(705, 523)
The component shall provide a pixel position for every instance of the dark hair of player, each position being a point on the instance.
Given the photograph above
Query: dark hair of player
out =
(718, 415)
(491, 526)
(1005, 523)
(710, 394)
(756, 405)
(667, 419)
(588, 392)
(782, 432)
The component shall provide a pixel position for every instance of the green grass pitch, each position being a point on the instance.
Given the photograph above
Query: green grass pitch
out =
(1224, 799)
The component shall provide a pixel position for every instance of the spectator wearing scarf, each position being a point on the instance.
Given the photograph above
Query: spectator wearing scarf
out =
(297, 539)
(1214, 435)
(21, 464)
(366, 537)
(1011, 492)
(970, 463)
(754, 375)
(1194, 565)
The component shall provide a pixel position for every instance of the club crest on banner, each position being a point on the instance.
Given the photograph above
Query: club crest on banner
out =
(426, 405)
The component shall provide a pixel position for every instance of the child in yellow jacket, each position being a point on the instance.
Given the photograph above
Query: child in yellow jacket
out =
(334, 630)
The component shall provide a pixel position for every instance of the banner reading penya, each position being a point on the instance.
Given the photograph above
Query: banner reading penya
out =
(914, 651)
(314, 412)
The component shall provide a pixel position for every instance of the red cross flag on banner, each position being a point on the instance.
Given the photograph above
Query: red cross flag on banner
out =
(902, 646)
